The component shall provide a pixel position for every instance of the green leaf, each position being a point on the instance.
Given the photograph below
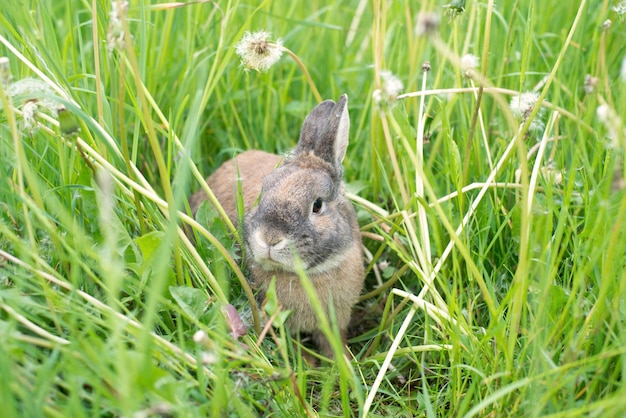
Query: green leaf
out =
(149, 242)
(271, 300)
(272, 306)
(456, 166)
(192, 301)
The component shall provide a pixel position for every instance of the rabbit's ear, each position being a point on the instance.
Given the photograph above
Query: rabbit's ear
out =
(326, 130)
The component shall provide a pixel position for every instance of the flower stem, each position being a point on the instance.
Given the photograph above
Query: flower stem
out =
(300, 64)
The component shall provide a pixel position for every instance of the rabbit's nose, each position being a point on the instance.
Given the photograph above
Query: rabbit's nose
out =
(274, 240)
(269, 240)
(270, 248)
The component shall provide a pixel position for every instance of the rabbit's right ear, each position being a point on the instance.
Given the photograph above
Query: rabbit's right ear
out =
(326, 130)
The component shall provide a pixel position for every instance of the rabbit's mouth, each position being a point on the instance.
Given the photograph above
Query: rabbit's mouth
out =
(279, 261)
(285, 261)
(269, 264)
(273, 253)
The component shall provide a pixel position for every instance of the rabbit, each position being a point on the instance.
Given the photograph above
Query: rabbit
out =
(302, 209)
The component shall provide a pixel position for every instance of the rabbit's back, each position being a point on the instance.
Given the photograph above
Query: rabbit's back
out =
(249, 168)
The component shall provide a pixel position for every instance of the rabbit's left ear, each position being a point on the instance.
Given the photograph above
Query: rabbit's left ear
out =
(326, 131)
(343, 130)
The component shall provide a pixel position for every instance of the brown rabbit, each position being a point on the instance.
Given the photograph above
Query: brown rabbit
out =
(302, 209)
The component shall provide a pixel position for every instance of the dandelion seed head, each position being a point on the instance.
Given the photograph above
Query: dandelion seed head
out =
(611, 121)
(257, 52)
(523, 105)
(427, 24)
(391, 86)
(455, 8)
(116, 38)
(620, 8)
(33, 95)
(29, 86)
(603, 113)
(536, 125)
(468, 64)
(552, 174)
(590, 83)
(377, 96)
(29, 110)
(5, 72)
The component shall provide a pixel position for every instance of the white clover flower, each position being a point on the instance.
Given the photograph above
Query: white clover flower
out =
(468, 64)
(390, 88)
(116, 38)
(622, 72)
(257, 52)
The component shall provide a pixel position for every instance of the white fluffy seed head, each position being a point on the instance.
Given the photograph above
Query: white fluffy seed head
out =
(523, 105)
(391, 87)
(613, 123)
(257, 52)
(427, 24)
(116, 38)
(29, 110)
(620, 8)
(603, 112)
(5, 72)
(468, 64)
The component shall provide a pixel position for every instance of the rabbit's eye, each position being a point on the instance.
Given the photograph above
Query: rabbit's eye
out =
(318, 205)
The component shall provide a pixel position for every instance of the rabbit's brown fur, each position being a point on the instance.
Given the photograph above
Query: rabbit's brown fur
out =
(303, 209)
(246, 167)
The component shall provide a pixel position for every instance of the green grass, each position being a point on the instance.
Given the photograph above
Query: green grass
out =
(496, 271)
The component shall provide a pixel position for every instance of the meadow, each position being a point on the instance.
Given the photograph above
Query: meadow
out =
(486, 165)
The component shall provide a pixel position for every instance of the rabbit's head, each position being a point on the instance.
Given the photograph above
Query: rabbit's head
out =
(302, 209)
